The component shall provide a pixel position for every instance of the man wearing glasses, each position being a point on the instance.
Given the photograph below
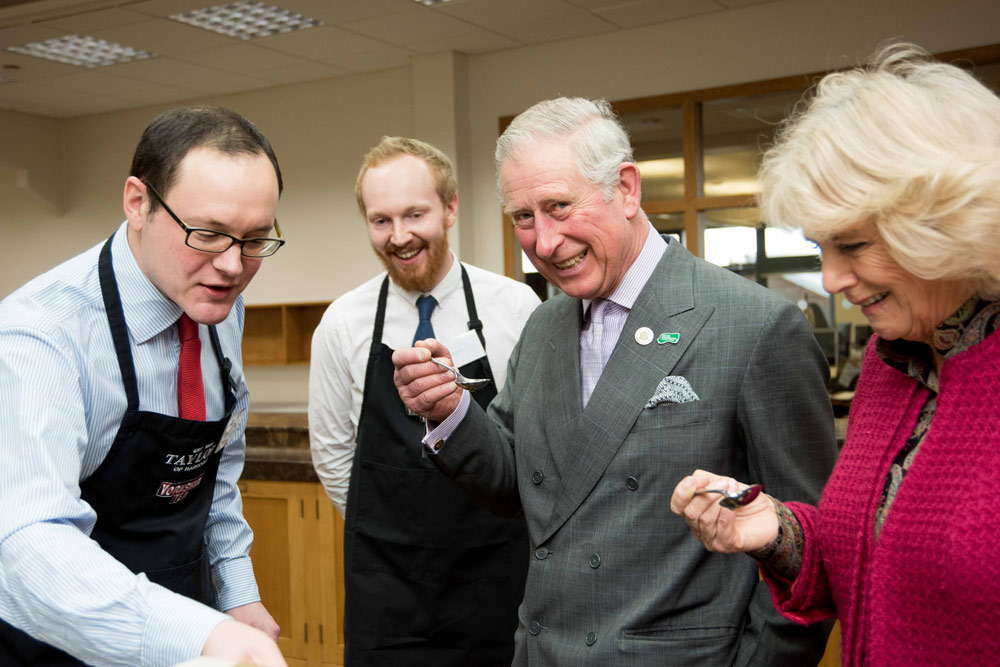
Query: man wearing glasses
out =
(121, 424)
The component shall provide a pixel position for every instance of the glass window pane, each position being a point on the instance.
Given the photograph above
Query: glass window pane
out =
(731, 173)
(731, 246)
(787, 243)
(735, 131)
(667, 223)
(731, 235)
(662, 178)
(656, 141)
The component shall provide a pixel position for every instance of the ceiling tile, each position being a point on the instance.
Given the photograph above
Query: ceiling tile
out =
(495, 13)
(306, 71)
(158, 95)
(243, 57)
(324, 44)
(551, 29)
(86, 22)
(363, 62)
(479, 41)
(596, 4)
(90, 104)
(645, 12)
(34, 92)
(24, 34)
(412, 27)
(19, 67)
(168, 7)
(37, 109)
(93, 82)
(165, 71)
(732, 4)
(164, 36)
(234, 83)
(337, 12)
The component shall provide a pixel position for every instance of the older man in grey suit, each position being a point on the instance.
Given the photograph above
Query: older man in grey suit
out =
(651, 364)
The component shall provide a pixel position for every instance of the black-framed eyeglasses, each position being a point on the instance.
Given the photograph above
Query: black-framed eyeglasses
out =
(210, 240)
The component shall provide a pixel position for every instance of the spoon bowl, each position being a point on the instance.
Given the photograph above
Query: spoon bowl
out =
(470, 384)
(733, 499)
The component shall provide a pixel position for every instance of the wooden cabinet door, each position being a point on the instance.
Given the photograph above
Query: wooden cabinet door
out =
(331, 578)
(275, 512)
(832, 656)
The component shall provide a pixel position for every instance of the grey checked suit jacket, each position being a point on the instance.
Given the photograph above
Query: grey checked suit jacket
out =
(614, 577)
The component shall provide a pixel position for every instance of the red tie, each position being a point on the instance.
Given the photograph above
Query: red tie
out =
(190, 390)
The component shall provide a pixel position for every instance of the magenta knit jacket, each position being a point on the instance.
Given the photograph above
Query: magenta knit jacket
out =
(928, 592)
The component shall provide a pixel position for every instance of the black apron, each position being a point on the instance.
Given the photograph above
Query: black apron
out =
(152, 493)
(430, 579)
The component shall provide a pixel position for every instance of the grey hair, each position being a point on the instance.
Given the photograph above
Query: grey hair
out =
(600, 142)
(906, 144)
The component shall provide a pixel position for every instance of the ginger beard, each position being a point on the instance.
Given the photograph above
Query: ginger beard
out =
(421, 276)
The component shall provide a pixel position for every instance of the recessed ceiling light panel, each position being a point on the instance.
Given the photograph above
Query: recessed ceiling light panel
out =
(247, 19)
(82, 51)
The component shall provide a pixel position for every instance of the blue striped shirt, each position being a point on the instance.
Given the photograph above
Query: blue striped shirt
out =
(61, 403)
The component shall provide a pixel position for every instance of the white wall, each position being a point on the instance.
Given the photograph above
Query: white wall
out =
(321, 129)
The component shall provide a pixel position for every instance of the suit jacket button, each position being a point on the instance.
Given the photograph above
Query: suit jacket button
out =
(537, 477)
(631, 484)
(595, 561)
(591, 638)
(534, 627)
(541, 553)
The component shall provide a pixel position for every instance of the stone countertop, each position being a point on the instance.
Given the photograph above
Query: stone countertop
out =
(278, 447)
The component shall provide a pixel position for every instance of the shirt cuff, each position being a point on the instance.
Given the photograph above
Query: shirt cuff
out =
(783, 555)
(235, 584)
(438, 434)
(177, 628)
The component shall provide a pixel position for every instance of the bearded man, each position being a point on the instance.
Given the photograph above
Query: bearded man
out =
(429, 577)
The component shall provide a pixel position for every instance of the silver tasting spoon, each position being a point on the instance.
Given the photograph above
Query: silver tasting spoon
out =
(471, 384)
(733, 499)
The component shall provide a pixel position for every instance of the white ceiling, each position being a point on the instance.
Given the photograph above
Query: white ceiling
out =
(357, 36)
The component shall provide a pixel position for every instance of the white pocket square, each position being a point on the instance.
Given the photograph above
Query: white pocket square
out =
(672, 389)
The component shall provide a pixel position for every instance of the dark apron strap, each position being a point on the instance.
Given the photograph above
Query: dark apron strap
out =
(376, 346)
(116, 320)
(474, 321)
(225, 365)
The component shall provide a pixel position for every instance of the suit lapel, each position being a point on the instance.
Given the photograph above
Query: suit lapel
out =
(562, 375)
(665, 305)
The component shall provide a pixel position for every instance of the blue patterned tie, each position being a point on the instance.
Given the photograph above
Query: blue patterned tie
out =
(425, 306)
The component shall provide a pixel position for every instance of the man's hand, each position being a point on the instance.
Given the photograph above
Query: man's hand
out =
(425, 388)
(232, 640)
(256, 616)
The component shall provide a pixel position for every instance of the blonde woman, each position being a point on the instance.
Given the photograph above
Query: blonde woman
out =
(894, 171)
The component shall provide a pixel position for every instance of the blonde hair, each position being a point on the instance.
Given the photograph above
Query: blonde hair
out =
(906, 144)
(391, 147)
